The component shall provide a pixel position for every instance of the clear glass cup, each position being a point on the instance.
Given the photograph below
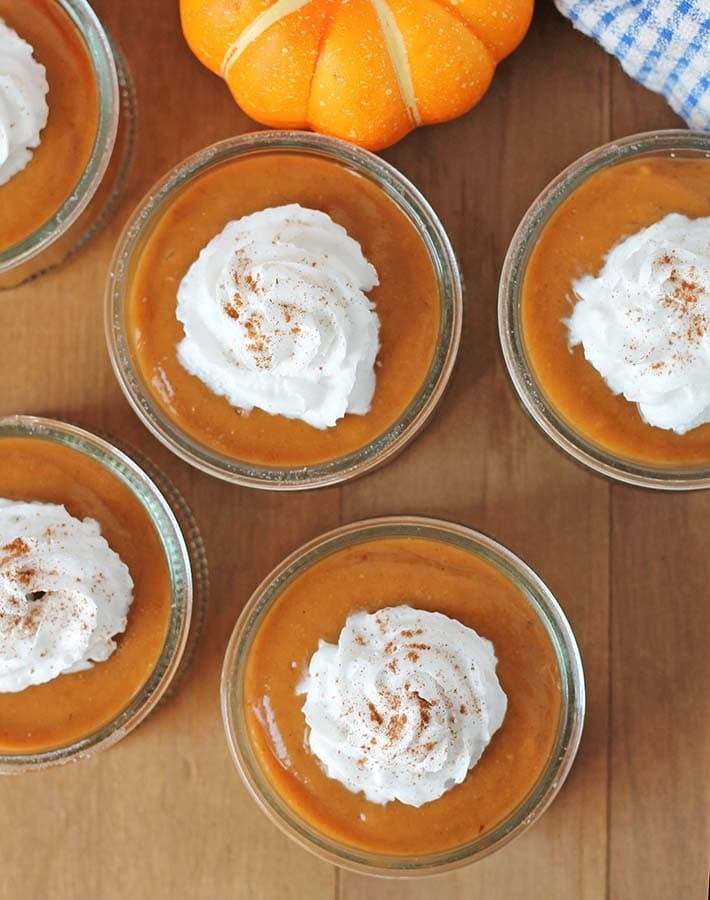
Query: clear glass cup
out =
(544, 607)
(187, 567)
(520, 370)
(93, 199)
(409, 200)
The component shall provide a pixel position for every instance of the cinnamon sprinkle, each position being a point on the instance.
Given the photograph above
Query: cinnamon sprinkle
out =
(395, 727)
(233, 308)
(24, 576)
(681, 302)
(374, 714)
(259, 342)
(424, 707)
(14, 549)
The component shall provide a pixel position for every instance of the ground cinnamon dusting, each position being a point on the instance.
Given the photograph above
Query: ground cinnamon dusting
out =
(395, 726)
(258, 341)
(424, 707)
(682, 300)
(374, 714)
(24, 576)
(233, 308)
(13, 550)
(682, 303)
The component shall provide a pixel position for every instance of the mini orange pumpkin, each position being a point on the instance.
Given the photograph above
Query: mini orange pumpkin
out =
(368, 71)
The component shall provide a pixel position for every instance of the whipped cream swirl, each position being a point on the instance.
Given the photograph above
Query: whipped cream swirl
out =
(23, 104)
(644, 321)
(64, 594)
(275, 317)
(404, 705)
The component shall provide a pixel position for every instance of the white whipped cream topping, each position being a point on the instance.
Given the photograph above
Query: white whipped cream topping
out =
(404, 705)
(644, 321)
(23, 104)
(275, 317)
(64, 594)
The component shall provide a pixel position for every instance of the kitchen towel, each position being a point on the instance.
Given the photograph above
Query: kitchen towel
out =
(663, 44)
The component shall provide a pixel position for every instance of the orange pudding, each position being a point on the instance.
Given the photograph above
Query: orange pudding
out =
(35, 194)
(407, 302)
(607, 207)
(73, 706)
(426, 574)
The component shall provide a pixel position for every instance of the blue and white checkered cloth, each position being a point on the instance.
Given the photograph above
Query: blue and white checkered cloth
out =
(663, 44)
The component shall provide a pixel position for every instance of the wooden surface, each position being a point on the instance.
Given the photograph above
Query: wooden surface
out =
(163, 814)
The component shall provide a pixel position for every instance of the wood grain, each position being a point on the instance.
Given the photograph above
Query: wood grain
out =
(660, 790)
(163, 814)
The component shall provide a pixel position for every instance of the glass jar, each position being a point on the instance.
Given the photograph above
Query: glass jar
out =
(543, 607)
(186, 565)
(94, 197)
(132, 243)
(522, 373)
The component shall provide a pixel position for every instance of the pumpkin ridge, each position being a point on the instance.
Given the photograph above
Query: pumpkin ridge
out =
(466, 23)
(327, 26)
(397, 50)
(279, 10)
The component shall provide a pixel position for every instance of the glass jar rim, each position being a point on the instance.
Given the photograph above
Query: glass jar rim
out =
(543, 604)
(167, 527)
(409, 200)
(100, 52)
(521, 373)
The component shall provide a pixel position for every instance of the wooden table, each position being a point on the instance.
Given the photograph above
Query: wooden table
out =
(164, 814)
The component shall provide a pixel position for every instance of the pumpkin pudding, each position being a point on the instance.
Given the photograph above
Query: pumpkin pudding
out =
(63, 148)
(612, 316)
(395, 694)
(282, 310)
(88, 604)
(35, 193)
